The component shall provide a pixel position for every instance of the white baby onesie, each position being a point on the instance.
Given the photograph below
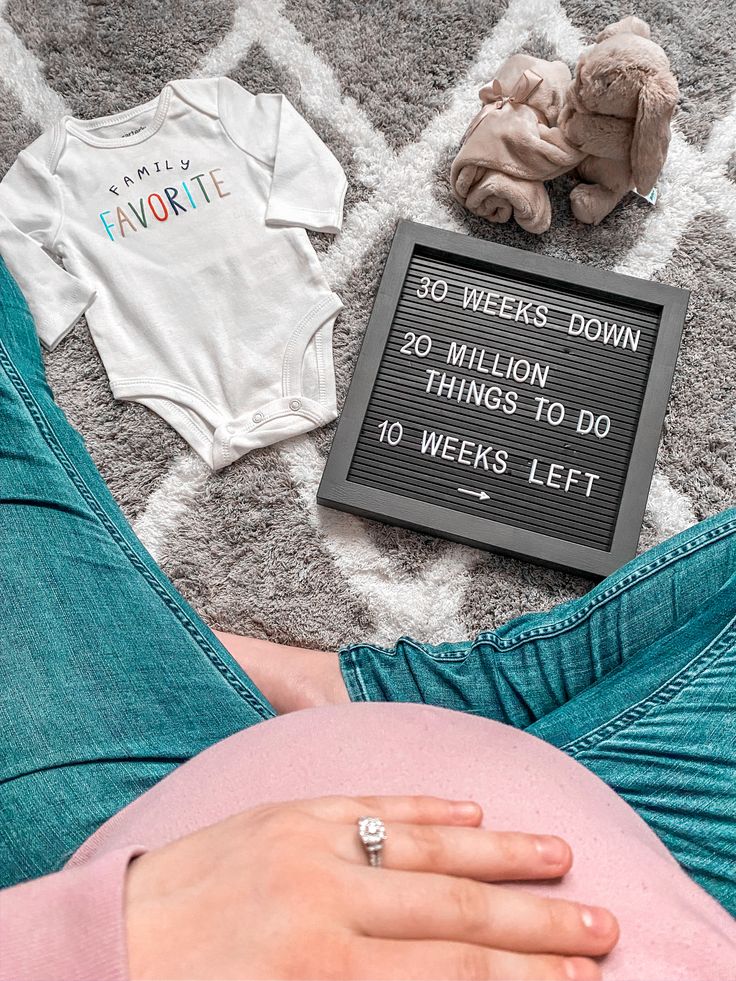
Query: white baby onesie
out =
(187, 216)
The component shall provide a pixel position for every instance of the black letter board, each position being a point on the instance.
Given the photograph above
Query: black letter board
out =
(507, 400)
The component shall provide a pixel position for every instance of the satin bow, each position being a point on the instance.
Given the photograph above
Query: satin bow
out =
(528, 82)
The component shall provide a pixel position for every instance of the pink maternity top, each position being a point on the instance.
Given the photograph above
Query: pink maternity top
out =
(70, 925)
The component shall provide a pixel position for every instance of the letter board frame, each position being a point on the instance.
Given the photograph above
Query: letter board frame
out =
(581, 283)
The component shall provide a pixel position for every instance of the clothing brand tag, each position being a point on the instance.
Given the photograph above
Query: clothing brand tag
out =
(651, 197)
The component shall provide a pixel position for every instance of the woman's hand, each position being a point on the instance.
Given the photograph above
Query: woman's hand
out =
(285, 891)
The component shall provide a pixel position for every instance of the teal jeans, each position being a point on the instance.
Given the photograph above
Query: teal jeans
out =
(109, 680)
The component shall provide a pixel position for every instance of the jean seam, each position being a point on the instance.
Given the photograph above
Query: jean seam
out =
(673, 686)
(374, 648)
(357, 674)
(561, 626)
(54, 444)
(447, 656)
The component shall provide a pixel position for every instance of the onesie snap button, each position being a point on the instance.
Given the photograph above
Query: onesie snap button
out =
(295, 404)
(258, 417)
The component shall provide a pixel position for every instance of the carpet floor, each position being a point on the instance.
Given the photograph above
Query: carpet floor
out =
(390, 86)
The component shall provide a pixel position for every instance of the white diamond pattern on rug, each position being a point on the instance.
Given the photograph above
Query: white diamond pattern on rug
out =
(433, 594)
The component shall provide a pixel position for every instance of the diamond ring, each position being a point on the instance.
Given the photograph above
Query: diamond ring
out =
(372, 832)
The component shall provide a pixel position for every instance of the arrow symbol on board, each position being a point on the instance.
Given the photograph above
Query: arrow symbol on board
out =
(481, 495)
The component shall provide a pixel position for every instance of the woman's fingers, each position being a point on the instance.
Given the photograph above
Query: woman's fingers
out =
(464, 962)
(437, 835)
(410, 810)
(424, 906)
(492, 856)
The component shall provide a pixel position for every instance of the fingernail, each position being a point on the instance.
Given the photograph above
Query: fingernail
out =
(599, 921)
(465, 809)
(552, 850)
(580, 969)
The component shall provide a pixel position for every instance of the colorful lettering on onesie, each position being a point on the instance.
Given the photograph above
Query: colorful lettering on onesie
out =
(210, 306)
(169, 202)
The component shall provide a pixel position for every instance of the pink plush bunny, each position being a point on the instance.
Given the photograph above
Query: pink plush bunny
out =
(618, 111)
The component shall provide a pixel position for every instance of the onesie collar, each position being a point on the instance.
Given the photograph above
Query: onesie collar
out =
(84, 129)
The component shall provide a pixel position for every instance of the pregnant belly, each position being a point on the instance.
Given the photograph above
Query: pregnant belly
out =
(667, 922)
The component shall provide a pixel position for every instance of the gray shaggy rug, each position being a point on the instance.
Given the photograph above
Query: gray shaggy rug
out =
(390, 86)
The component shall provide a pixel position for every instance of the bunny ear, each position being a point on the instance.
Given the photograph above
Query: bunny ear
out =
(629, 25)
(657, 99)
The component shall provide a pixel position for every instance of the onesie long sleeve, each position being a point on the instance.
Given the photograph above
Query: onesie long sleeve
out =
(186, 216)
(56, 299)
(307, 183)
